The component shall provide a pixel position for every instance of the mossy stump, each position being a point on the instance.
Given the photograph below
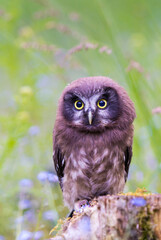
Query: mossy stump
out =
(117, 217)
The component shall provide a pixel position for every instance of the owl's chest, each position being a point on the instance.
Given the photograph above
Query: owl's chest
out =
(95, 159)
(92, 171)
(88, 163)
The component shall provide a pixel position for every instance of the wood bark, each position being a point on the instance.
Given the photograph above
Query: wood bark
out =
(116, 217)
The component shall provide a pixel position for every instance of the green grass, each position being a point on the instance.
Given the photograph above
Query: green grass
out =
(35, 38)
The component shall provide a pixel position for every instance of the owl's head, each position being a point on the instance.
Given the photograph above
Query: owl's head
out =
(95, 103)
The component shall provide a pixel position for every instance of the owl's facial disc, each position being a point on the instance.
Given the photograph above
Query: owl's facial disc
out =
(92, 112)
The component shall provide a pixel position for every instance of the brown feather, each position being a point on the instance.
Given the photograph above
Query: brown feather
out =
(96, 163)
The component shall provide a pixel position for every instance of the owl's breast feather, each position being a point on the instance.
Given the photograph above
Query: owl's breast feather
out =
(91, 172)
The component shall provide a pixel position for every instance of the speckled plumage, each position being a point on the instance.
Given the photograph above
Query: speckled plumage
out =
(93, 160)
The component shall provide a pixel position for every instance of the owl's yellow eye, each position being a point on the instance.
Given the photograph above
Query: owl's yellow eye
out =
(79, 105)
(102, 103)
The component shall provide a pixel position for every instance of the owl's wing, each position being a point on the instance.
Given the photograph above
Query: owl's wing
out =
(128, 156)
(59, 163)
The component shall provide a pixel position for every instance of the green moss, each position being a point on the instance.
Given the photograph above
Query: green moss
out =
(146, 230)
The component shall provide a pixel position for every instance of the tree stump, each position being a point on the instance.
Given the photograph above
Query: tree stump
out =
(116, 217)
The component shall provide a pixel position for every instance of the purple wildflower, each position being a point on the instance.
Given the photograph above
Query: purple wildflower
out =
(138, 201)
(24, 204)
(25, 183)
(2, 237)
(42, 176)
(50, 215)
(30, 216)
(47, 176)
(52, 177)
(25, 235)
(38, 235)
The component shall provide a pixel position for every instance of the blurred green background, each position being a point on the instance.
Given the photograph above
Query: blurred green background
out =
(44, 45)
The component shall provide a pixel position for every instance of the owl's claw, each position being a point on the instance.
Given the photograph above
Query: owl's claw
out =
(80, 205)
(70, 215)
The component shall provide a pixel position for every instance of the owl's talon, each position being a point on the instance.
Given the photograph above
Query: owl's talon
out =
(80, 205)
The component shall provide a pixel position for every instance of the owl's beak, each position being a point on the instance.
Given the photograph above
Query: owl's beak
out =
(90, 117)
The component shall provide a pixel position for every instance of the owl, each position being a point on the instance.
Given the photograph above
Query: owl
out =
(92, 139)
